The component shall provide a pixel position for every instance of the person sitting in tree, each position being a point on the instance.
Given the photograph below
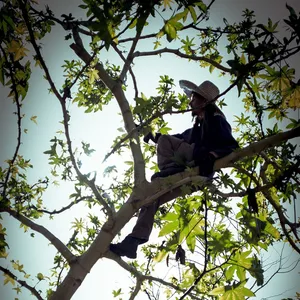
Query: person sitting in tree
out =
(209, 139)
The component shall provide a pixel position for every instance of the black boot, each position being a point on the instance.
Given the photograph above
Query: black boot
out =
(127, 247)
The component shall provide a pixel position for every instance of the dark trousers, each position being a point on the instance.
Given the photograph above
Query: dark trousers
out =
(169, 150)
(144, 224)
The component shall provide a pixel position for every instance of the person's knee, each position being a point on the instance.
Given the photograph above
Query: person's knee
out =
(163, 138)
(163, 141)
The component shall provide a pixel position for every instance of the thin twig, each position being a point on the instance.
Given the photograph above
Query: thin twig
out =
(54, 212)
(16, 98)
(180, 54)
(22, 283)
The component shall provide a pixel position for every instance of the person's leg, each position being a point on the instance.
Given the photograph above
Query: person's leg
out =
(173, 156)
(166, 148)
(143, 227)
(144, 223)
(140, 232)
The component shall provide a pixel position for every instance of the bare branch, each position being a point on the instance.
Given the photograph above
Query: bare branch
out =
(55, 212)
(130, 69)
(282, 219)
(37, 50)
(63, 105)
(130, 57)
(143, 277)
(180, 54)
(22, 283)
(60, 246)
(136, 289)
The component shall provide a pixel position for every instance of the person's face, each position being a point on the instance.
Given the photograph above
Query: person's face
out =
(196, 103)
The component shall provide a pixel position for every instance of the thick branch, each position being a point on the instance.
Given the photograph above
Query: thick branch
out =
(256, 148)
(136, 289)
(22, 283)
(116, 89)
(60, 246)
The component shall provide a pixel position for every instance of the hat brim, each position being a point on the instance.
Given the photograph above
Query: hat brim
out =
(190, 87)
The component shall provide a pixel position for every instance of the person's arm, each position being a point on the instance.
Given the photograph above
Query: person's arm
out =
(217, 141)
(184, 135)
(223, 142)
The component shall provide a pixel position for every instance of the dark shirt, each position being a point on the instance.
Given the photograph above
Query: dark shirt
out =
(211, 134)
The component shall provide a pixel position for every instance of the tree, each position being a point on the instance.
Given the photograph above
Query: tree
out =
(218, 245)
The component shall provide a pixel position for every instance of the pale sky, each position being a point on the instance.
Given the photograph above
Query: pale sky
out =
(100, 130)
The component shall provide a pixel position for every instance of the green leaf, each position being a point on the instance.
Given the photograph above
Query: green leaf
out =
(93, 75)
(217, 291)
(193, 13)
(133, 24)
(202, 6)
(230, 272)
(169, 227)
(232, 292)
(161, 254)
(9, 21)
(117, 292)
(191, 242)
(170, 31)
(40, 276)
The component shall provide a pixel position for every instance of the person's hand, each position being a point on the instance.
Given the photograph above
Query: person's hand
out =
(148, 137)
(205, 162)
(151, 137)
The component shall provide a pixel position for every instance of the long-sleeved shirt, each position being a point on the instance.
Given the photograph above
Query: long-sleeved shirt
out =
(212, 134)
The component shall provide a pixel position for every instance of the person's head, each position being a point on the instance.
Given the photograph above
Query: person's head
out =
(197, 104)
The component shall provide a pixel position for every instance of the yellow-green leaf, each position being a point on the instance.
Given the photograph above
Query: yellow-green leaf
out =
(8, 279)
(33, 119)
(3, 254)
(93, 75)
(17, 289)
(167, 3)
(17, 49)
(168, 228)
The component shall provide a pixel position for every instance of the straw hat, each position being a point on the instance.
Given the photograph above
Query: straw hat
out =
(206, 89)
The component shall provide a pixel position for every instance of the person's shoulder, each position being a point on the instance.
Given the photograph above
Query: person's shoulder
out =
(220, 121)
(219, 116)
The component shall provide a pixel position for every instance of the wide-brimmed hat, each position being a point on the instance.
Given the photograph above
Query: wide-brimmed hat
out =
(206, 89)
